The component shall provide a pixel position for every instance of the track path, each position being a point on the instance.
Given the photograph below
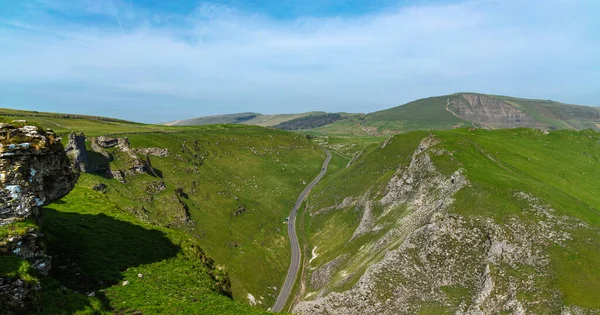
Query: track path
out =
(295, 262)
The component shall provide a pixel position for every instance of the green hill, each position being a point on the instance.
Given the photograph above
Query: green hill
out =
(218, 119)
(243, 118)
(460, 221)
(437, 113)
(469, 109)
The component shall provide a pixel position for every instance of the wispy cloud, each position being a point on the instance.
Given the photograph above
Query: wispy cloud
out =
(158, 66)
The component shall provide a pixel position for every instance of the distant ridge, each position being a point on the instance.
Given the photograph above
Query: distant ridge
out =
(470, 110)
(242, 118)
(483, 111)
(465, 109)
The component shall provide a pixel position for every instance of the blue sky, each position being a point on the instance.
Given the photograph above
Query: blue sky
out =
(156, 61)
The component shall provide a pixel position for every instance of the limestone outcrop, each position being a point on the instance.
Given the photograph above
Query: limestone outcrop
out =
(490, 112)
(136, 161)
(34, 171)
(77, 152)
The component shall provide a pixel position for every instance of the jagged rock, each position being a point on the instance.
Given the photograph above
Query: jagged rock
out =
(155, 187)
(322, 275)
(241, 209)
(162, 152)
(15, 294)
(99, 149)
(124, 146)
(106, 142)
(134, 164)
(118, 175)
(490, 112)
(100, 187)
(77, 152)
(34, 171)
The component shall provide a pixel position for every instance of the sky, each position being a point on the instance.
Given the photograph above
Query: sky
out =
(158, 61)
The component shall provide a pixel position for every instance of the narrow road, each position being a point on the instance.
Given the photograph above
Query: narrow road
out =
(295, 262)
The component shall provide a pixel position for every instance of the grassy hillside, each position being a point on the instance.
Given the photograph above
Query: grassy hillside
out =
(120, 264)
(217, 119)
(435, 113)
(558, 115)
(429, 113)
(243, 118)
(230, 187)
(91, 125)
(238, 185)
(517, 207)
(309, 122)
(106, 261)
(469, 109)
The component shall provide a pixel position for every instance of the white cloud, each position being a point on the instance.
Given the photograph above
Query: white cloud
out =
(219, 59)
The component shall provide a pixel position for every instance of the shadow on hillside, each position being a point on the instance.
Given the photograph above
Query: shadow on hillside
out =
(97, 163)
(89, 252)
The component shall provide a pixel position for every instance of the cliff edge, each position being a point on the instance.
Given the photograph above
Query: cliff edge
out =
(34, 171)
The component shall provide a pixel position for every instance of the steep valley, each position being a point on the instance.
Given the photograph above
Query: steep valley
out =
(227, 188)
(192, 219)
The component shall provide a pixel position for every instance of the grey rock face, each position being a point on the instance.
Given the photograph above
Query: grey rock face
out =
(96, 147)
(77, 152)
(322, 275)
(490, 112)
(107, 142)
(135, 164)
(15, 294)
(162, 152)
(34, 171)
(118, 175)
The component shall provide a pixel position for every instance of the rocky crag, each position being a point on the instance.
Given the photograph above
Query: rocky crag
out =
(77, 152)
(115, 158)
(34, 171)
(489, 112)
(106, 150)
(428, 260)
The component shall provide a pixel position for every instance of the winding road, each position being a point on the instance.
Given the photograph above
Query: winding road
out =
(295, 262)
